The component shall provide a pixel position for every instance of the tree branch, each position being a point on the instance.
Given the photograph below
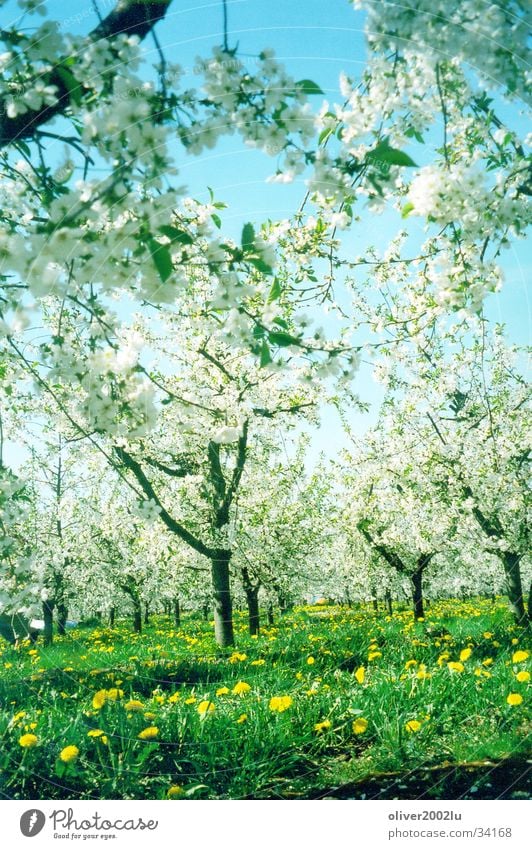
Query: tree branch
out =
(129, 17)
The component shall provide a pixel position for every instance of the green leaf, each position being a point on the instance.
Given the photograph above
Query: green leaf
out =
(260, 265)
(161, 258)
(282, 340)
(70, 83)
(265, 354)
(248, 236)
(176, 235)
(217, 220)
(309, 87)
(324, 135)
(390, 155)
(275, 291)
(407, 209)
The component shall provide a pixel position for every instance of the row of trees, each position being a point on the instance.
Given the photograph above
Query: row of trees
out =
(177, 366)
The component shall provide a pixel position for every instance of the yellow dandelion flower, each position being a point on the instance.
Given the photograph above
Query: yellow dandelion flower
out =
(95, 732)
(373, 655)
(174, 697)
(191, 700)
(149, 733)
(514, 699)
(242, 718)
(455, 666)
(360, 725)
(134, 705)
(410, 663)
(487, 635)
(519, 656)
(222, 691)
(174, 792)
(149, 715)
(465, 654)
(206, 707)
(523, 676)
(310, 660)
(240, 688)
(360, 674)
(413, 726)
(69, 754)
(28, 741)
(99, 699)
(487, 662)
(259, 662)
(278, 704)
(322, 726)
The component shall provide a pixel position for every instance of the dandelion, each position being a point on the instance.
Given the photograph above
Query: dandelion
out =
(134, 705)
(360, 674)
(310, 661)
(465, 654)
(28, 741)
(455, 666)
(149, 733)
(360, 725)
(240, 688)
(487, 662)
(523, 676)
(205, 707)
(99, 699)
(514, 699)
(259, 662)
(222, 691)
(373, 655)
(95, 732)
(191, 700)
(410, 663)
(413, 726)
(322, 726)
(278, 704)
(519, 656)
(174, 792)
(69, 754)
(242, 718)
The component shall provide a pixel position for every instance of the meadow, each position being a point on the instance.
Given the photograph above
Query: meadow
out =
(330, 702)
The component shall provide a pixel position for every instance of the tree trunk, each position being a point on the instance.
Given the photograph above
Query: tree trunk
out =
(62, 616)
(146, 614)
(252, 596)
(177, 613)
(112, 615)
(530, 602)
(223, 606)
(48, 616)
(388, 599)
(417, 593)
(137, 616)
(206, 612)
(271, 620)
(514, 587)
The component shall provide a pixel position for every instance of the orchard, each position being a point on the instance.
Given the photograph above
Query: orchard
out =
(264, 410)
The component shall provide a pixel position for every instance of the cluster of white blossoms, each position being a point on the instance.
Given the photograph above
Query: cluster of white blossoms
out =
(226, 435)
(148, 511)
(492, 38)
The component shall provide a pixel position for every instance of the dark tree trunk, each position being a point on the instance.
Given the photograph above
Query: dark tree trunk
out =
(177, 613)
(206, 612)
(112, 615)
(530, 602)
(137, 616)
(388, 599)
(252, 596)
(271, 620)
(146, 614)
(223, 605)
(62, 616)
(48, 616)
(375, 603)
(514, 587)
(417, 593)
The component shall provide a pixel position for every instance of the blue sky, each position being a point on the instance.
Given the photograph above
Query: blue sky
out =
(316, 40)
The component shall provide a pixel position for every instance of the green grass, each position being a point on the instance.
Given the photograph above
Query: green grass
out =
(311, 656)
